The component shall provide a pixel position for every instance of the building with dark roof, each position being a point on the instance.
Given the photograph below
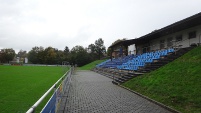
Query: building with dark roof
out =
(181, 34)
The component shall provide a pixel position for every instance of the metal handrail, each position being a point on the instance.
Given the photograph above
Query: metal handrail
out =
(32, 109)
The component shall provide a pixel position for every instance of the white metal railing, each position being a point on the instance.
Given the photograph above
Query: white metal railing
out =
(68, 73)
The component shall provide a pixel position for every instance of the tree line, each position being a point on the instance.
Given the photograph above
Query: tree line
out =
(50, 55)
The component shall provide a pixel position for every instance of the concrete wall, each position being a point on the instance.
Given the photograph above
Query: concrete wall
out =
(186, 42)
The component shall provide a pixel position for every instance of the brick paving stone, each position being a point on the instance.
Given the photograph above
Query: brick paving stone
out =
(90, 92)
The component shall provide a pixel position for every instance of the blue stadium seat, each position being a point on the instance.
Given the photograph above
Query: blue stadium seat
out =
(134, 62)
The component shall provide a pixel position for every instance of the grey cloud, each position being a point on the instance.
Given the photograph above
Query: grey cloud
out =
(107, 19)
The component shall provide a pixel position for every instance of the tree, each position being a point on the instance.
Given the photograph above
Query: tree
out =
(79, 56)
(22, 55)
(92, 52)
(41, 55)
(99, 47)
(60, 56)
(109, 51)
(118, 40)
(92, 48)
(7, 55)
(66, 50)
(36, 55)
(66, 53)
(50, 55)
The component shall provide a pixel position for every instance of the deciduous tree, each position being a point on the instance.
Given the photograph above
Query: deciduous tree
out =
(79, 56)
(99, 47)
(50, 55)
(36, 55)
(7, 55)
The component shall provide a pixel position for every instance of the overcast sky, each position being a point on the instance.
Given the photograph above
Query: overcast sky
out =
(59, 23)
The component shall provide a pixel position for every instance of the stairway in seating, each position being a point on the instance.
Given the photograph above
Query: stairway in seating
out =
(151, 66)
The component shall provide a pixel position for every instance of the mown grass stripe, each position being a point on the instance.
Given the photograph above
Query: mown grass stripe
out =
(22, 86)
(91, 65)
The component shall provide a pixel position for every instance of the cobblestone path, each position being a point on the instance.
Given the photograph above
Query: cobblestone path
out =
(93, 93)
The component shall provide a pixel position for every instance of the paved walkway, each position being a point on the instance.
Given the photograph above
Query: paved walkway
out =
(93, 93)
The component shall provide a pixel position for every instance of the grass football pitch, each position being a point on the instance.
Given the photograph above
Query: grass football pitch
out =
(22, 86)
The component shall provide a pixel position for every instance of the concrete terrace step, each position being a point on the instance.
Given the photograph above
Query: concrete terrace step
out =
(115, 82)
(127, 77)
(144, 71)
(123, 76)
(119, 81)
(123, 79)
(152, 66)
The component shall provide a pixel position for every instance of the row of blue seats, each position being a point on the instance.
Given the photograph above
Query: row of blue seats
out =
(102, 63)
(116, 62)
(141, 60)
(134, 62)
(128, 67)
(156, 53)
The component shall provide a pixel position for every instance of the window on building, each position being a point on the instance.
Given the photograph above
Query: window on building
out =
(192, 34)
(162, 44)
(178, 38)
(170, 42)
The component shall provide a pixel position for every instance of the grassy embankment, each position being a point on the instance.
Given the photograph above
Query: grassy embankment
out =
(91, 65)
(22, 86)
(177, 84)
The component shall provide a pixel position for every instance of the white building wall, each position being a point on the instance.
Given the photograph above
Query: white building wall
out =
(26, 60)
(131, 49)
(18, 59)
(186, 42)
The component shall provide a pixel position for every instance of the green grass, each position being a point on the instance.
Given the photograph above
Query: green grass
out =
(22, 86)
(177, 84)
(91, 65)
